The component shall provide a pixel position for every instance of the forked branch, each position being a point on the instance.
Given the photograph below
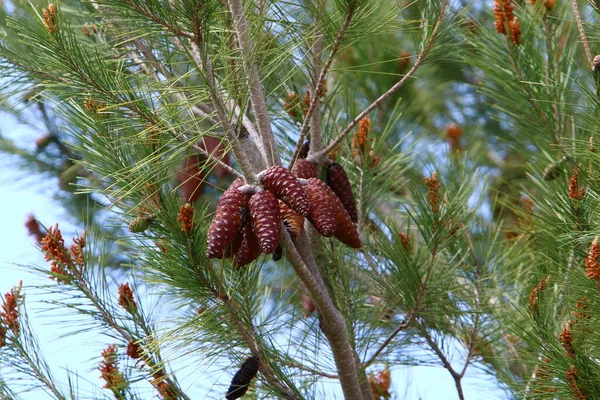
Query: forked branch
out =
(420, 60)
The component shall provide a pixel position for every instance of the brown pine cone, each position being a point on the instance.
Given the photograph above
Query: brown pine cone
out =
(304, 169)
(286, 187)
(226, 223)
(293, 222)
(303, 153)
(266, 219)
(338, 182)
(249, 249)
(321, 208)
(345, 230)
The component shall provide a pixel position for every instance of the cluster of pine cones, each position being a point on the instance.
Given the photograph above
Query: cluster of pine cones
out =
(246, 226)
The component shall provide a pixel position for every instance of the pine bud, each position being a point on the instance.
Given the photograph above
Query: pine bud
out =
(304, 169)
(226, 223)
(321, 214)
(242, 378)
(293, 222)
(286, 187)
(43, 141)
(249, 249)
(596, 63)
(266, 220)
(140, 224)
(339, 183)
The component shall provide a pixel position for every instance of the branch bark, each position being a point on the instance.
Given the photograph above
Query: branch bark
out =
(257, 97)
(332, 323)
(318, 87)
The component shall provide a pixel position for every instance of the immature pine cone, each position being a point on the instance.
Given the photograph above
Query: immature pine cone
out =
(345, 230)
(242, 378)
(249, 249)
(321, 208)
(286, 187)
(304, 169)
(266, 220)
(338, 182)
(226, 223)
(293, 222)
(140, 224)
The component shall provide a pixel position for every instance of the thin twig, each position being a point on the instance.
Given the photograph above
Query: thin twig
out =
(216, 160)
(319, 85)
(412, 314)
(584, 40)
(422, 57)
(309, 369)
(445, 362)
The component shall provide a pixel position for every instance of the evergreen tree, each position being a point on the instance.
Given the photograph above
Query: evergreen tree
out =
(321, 191)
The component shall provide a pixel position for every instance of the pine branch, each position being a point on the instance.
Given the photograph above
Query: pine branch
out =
(170, 27)
(582, 34)
(412, 314)
(257, 98)
(217, 161)
(445, 362)
(332, 323)
(205, 66)
(318, 87)
(420, 60)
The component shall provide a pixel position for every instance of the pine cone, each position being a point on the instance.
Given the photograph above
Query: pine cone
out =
(293, 222)
(338, 182)
(242, 378)
(249, 249)
(140, 224)
(286, 187)
(345, 230)
(304, 169)
(226, 223)
(266, 220)
(321, 208)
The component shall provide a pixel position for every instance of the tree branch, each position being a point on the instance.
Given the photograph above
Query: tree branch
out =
(422, 57)
(205, 66)
(584, 40)
(436, 349)
(332, 323)
(314, 103)
(257, 97)
(411, 315)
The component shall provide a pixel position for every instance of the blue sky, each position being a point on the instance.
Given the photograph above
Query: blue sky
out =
(22, 194)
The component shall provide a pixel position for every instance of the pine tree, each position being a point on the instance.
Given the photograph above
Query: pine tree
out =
(452, 220)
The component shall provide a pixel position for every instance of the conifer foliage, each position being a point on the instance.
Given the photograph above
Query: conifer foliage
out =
(317, 193)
